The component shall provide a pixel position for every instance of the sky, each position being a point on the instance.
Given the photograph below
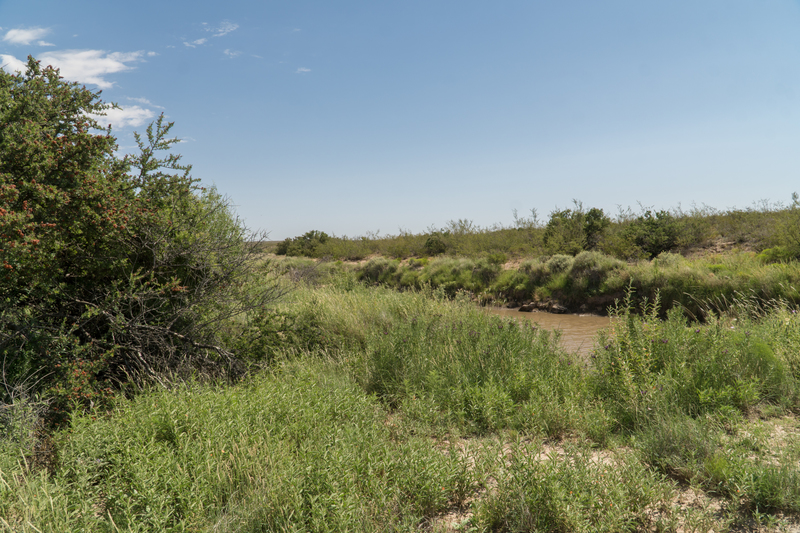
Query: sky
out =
(361, 117)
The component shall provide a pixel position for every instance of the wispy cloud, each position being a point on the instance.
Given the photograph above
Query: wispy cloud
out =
(302, 70)
(195, 43)
(144, 101)
(11, 64)
(231, 53)
(127, 116)
(152, 54)
(26, 36)
(225, 27)
(83, 66)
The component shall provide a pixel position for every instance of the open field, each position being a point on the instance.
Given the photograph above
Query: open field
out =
(409, 411)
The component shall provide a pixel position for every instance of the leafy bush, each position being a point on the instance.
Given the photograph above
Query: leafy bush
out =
(559, 263)
(378, 270)
(777, 254)
(571, 231)
(304, 245)
(570, 493)
(113, 268)
(564, 233)
(435, 245)
(655, 233)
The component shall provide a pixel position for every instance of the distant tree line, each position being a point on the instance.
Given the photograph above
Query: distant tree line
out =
(772, 231)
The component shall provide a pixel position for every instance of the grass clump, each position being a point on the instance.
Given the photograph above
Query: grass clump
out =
(301, 448)
(572, 492)
(648, 368)
(477, 371)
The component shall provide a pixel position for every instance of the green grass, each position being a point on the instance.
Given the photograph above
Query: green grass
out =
(297, 448)
(575, 491)
(386, 410)
(593, 281)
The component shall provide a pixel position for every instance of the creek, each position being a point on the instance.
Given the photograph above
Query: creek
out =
(577, 331)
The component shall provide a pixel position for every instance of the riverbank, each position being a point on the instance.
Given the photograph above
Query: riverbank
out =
(589, 282)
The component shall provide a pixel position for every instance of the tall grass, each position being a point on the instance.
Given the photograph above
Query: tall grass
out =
(573, 492)
(406, 406)
(297, 449)
(649, 368)
(475, 370)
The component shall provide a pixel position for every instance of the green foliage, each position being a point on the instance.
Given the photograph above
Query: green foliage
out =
(654, 233)
(358, 424)
(559, 263)
(564, 232)
(378, 270)
(649, 368)
(306, 245)
(571, 493)
(571, 231)
(628, 236)
(595, 223)
(693, 450)
(435, 245)
(300, 449)
(112, 268)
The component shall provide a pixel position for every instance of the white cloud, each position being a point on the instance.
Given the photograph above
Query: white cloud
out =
(11, 64)
(44, 43)
(195, 44)
(152, 54)
(20, 36)
(144, 101)
(90, 66)
(301, 70)
(127, 116)
(225, 27)
(231, 53)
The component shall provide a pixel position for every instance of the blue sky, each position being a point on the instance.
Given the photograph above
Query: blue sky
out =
(360, 116)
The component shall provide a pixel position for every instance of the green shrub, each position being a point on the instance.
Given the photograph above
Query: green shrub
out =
(306, 245)
(378, 270)
(655, 233)
(301, 448)
(669, 260)
(778, 254)
(435, 245)
(564, 233)
(559, 263)
(649, 368)
(113, 268)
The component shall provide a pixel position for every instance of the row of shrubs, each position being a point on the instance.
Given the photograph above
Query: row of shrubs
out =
(771, 229)
(591, 281)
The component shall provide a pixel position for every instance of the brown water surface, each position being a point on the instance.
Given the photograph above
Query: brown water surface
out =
(577, 331)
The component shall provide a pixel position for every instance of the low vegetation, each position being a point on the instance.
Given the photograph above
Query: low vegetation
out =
(403, 410)
(591, 281)
(770, 230)
(160, 375)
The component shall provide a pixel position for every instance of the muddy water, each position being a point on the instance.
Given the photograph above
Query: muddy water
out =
(577, 331)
